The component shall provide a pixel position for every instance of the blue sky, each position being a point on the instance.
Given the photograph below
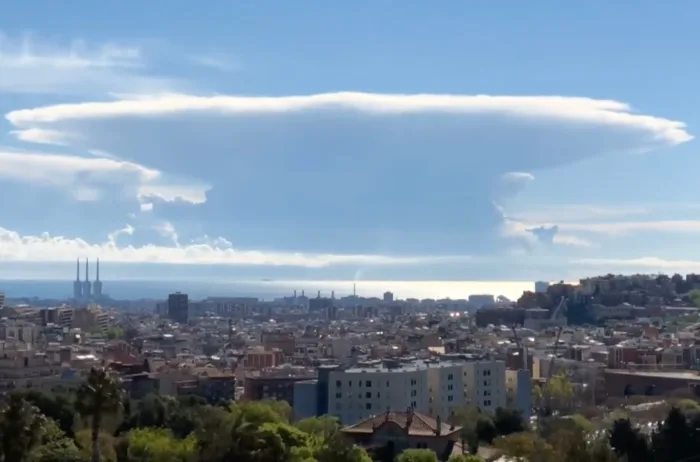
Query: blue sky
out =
(350, 140)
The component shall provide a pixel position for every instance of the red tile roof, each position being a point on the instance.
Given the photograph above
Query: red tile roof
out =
(421, 424)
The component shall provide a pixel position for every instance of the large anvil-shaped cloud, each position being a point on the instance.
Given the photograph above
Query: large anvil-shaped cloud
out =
(350, 172)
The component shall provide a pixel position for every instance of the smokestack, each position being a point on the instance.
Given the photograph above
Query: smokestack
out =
(77, 270)
(98, 269)
(87, 271)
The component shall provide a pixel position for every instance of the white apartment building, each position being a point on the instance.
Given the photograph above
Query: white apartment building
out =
(485, 384)
(358, 393)
(433, 388)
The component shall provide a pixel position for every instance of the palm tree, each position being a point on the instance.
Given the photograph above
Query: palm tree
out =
(98, 396)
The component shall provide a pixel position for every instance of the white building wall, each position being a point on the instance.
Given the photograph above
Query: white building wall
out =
(433, 389)
(485, 384)
(357, 394)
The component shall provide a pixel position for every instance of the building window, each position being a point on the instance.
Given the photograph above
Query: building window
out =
(368, 406)
(414, 393)
(387, 383)
(379, 395)
(368, 383)
(487, 372)
(487, 403)
(450, 376)
(368, 395)
(449, 398)
(487, 393)
(338, 395)
(449, 387)
(350, 383)
(413, 404)
(414, 382)
(338, 383)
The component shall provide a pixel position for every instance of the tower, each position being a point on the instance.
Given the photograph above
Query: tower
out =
(87, 285)
(77, 285)
(97, 285)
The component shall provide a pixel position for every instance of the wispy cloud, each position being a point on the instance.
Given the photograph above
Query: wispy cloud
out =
(219, 62)
(642, 264)
(44, 136)
(31, 64)
(47, 248)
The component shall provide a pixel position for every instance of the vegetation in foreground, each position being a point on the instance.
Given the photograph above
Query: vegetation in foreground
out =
(94, 423)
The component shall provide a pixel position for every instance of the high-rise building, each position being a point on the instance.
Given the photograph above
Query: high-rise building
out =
(541, 287)
(97, 286)
(388, 297)
(77, 284)
(178, 307)
(87, 285)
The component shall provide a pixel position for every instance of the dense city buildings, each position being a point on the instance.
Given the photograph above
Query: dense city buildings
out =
(361, 359)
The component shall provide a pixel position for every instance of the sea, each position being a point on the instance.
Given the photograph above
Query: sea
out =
(267, 289)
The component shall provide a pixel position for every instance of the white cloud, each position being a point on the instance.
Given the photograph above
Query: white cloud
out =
(560, 213)
(44, 136)
(170, 192)
(30, 64)
(64, 170)
(47, 248)
(583, 110)
(518, 177)
(85, 176)
(575, 241)
(272, 165)
(217, 61)
(627, 227)
(642, 264)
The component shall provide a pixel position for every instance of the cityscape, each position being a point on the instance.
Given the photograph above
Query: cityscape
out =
(359, 231)
(613, 338)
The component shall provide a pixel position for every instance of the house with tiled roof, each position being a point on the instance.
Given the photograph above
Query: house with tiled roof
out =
(387, 435)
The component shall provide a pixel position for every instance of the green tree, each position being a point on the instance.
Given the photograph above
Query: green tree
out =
(465, 458)
(55, 446)
(158, 445)
(261, 412)
(417, 455)
(56, 405)
(97, 397)
(628, 442)
(115, 333)
(509, 421)
(336, 448)
(524, 447)
(559, 392)
(319, 426)
(694, 296)
(20, 429)
(105, 444)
